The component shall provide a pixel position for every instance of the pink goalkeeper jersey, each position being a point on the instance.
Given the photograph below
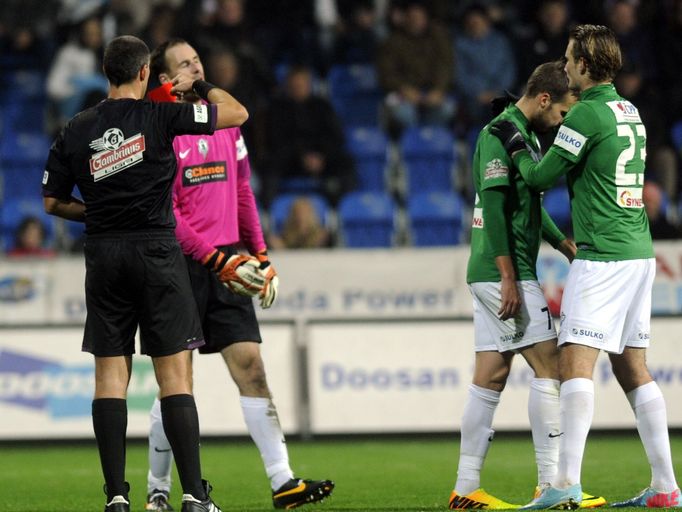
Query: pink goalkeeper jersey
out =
(212, 197)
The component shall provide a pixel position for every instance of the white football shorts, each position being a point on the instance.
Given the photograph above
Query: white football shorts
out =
(607, 304)
(531, 325)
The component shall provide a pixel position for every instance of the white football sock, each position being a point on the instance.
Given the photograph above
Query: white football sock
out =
(577, 408)
(160, 454)
(652, 424)
(543, 413)
(262, 421)
(477, 434)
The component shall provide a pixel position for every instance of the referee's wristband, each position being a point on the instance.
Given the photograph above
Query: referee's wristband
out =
(202, 87)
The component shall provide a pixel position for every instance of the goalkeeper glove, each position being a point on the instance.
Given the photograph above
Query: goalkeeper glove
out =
(269, 292)
(509, 135)
(239, 273)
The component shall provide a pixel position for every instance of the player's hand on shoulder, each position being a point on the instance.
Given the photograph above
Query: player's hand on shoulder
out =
(239, 272)
(509, 135)
(269, 292)
(568, 248)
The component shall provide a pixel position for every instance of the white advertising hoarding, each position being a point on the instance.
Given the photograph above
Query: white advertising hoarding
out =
(413, 376)
(46, 386)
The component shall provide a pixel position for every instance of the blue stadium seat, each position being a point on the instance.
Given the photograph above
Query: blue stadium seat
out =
(558, 205)
(435, 218)
(355, 94)
(279, 209)
(24, 148)
(369, 146)
(676, 135)
(23, 181)
(367, 219)
(24, 86)
(28, 116)
(15, 210)
(429, 156)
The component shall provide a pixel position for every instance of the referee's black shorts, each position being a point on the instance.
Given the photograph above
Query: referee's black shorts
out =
(226, 317)
(138, 279)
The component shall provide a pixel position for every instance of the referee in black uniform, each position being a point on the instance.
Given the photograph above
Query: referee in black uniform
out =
(120, 156)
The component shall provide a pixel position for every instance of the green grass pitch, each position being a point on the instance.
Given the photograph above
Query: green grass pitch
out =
(373, 474)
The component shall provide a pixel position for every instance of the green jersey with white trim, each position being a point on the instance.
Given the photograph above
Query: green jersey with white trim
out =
(492, 167)
(602, 147)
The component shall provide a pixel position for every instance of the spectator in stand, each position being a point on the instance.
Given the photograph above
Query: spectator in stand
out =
(669, 53)
(359, 33)
(305, 140)
(30, 239)
(485, 65)
(161, 25)
(224, 69)
(415, 69)
(302, 229)
(77, 70)
(547, 37)
(230, 29)
(660, 227)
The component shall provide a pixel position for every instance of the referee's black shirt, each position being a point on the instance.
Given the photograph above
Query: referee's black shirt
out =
(120, 155)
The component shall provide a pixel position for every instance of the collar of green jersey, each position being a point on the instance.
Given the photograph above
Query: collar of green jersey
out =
(597, 90)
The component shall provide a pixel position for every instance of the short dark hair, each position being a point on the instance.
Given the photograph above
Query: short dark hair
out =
(158, 63)
(598, 47)
(123, 58)
(549, 77)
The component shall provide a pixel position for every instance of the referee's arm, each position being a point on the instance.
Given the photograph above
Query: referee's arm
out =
(69, 209)
(230, 113)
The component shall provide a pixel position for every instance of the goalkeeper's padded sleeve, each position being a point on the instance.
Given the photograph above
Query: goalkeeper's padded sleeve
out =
(550, 232)
(494, 221)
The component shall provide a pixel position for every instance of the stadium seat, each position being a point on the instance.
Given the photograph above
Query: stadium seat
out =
(299, 185)
(369, 146)
(355, 94)
(435, 218)
(429, 156)
(28, 116)
(24, 86)
(24, 148)
(367, 219)
(676, 135)
(279, 209)
(14, 210)
(557, 203)
(23, 181)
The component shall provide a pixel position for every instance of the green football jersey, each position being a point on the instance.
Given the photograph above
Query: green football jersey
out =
(492, 167)
(602, 147)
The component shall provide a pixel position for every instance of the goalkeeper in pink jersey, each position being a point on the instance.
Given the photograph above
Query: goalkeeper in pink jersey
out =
(215, 210)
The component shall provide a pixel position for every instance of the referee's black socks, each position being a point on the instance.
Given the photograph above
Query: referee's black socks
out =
(181, 425)
(110, 420)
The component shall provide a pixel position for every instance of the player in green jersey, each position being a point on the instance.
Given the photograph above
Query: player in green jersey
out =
(601, 148)
(510, 311)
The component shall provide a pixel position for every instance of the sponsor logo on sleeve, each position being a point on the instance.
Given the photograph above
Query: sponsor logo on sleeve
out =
(46, 175)
(204, 173)
(241, 149)
(114, 153)
(200, 114)
(629, 197)
(624, 111)
(570, 140)
(477, 221)
(495, 169)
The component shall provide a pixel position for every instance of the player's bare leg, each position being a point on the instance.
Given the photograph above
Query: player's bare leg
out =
(181, 426)
(490, 377)
(246, 367)
(647, 403)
